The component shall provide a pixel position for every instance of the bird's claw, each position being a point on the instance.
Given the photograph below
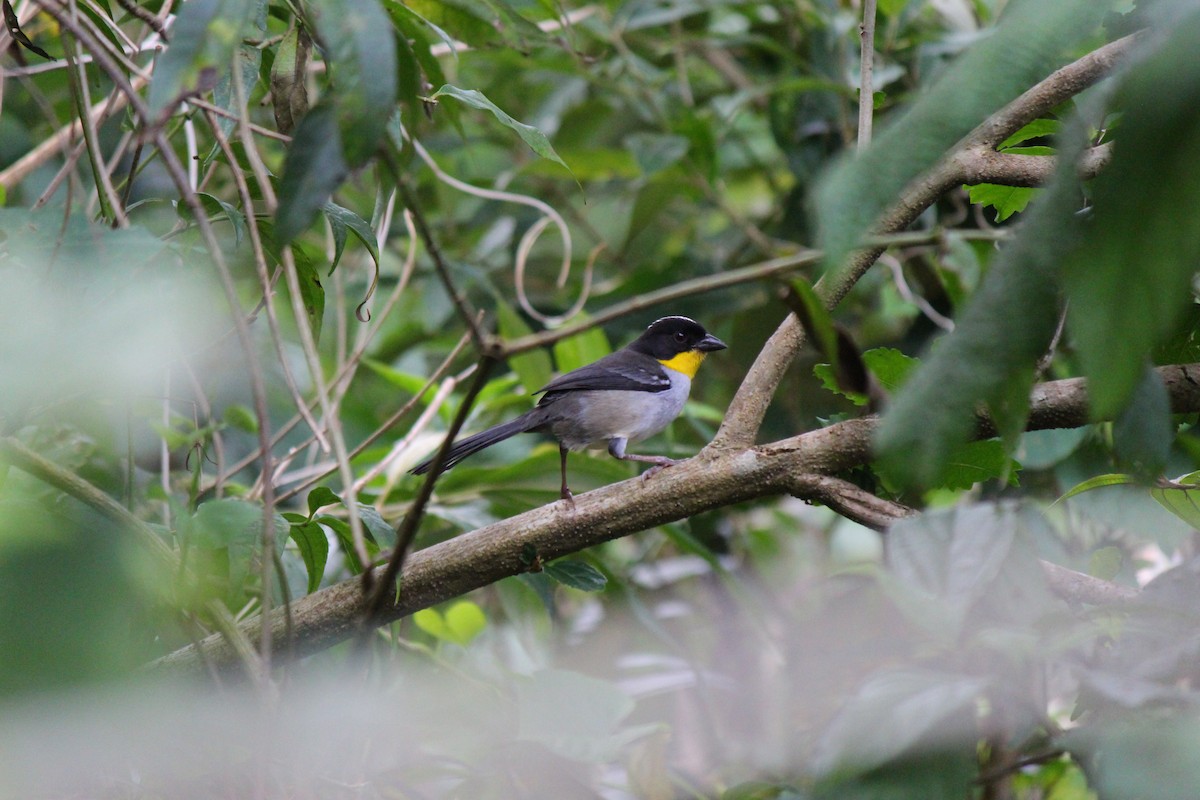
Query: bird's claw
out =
(657, 468)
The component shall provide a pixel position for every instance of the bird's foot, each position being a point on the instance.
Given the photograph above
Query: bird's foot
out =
(659, 466)
(568, 498)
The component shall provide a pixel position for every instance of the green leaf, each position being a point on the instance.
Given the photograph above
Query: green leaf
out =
(1007, 200)
(402, 13)
(416, 32)
(218, 523)
(289, 71)
(236, 218)
(430, 620)
(816, 319)
(313, 545)
(320, 497)
(967, 563)
(1044, 449)
(358, 44)
(1025, 46)
(1182, 502)
(242, 418)
(312, 169)
(1130, 282)
(990, 356)
(893, 713)
(464, 621)
(577, 351)
(249, 60)
(1138, 751)
(203, 40)
(536, 140)
(890, 367)
(976, 462)
(1099, 481)
(13, 24)
(342, 529)
(1038, 129)
(342, 220)
(577, 574)
(1143, 434)
(378, 528)
(312, 293)
(460, 623)
(533, 367)
(236, 527)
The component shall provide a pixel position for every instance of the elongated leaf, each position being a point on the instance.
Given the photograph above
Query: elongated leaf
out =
(895, 711)
(1130, 283)
(1112, 479)
(536, 140)
(236, 218)
(1143, 433)
(533, 368)
(313, 545)
(989, 358)
(203, 40)
(377, 527)
(312, 170)
(320, 497)
(14, 29)
(1027, 44)
(343, 220)
(289, 91)
(249, 60)
(358, 43)
(1183, 502)
(577, 574)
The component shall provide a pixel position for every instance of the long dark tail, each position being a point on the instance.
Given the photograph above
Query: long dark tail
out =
(473, 444)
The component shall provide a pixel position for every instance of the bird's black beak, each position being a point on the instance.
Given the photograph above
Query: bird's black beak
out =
(710, 343)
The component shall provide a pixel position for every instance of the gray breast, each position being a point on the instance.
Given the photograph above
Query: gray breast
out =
(593, 417)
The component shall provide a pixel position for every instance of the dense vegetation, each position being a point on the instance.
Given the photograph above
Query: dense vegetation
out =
(934, 536)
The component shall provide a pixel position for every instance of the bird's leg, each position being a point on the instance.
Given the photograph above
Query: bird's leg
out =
(566, 490)
(616, 448)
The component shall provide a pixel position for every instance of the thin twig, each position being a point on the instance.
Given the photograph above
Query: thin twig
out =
(443, 269)
(387, 424)
(866, 71)
(407, 530)
(708, 283)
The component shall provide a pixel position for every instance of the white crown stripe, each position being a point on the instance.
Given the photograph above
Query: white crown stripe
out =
(664, 319)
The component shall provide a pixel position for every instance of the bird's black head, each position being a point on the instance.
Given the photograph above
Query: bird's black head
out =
(672, 336)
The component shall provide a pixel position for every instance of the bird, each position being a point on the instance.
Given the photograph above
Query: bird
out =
(625, 397)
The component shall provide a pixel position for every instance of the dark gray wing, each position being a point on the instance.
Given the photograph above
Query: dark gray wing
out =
(614, 371)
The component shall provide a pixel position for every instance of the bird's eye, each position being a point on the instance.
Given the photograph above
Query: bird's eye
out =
(680, 337)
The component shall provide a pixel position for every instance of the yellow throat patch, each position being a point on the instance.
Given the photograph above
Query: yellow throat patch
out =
(687, 363)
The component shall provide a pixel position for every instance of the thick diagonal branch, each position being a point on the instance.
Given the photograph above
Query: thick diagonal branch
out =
(973, 160)
(711, 480)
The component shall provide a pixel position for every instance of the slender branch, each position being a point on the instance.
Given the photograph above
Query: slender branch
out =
(15, 453)
(849, 500)
(443, 269)
(749, 405)
(406, 532)
(708, 283)
(866, 71)
(710, 480)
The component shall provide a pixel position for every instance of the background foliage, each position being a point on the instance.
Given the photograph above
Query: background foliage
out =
(243, 245)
